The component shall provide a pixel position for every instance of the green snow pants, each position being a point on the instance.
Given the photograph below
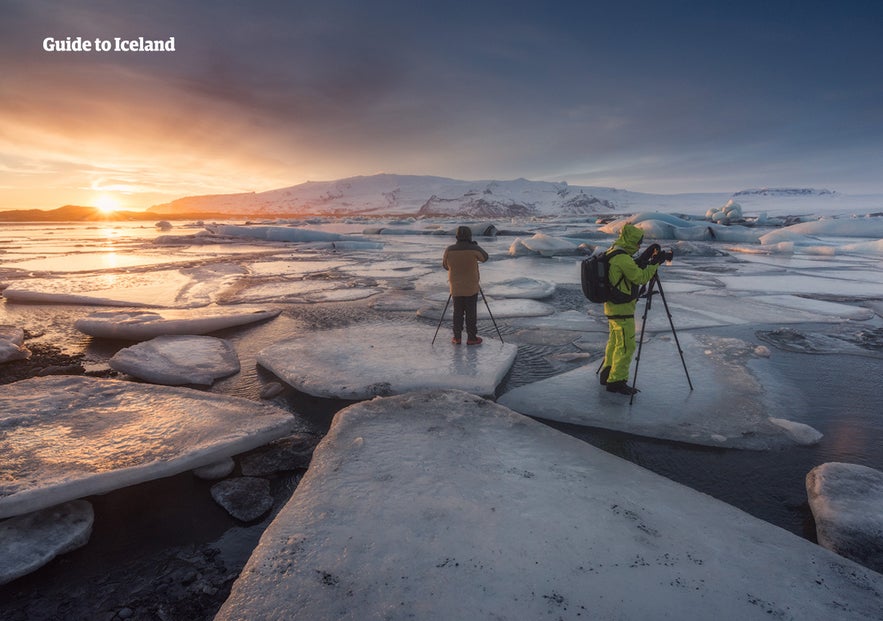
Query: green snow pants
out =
(620, 348)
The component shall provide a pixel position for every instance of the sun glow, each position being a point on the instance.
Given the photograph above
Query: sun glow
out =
(107, 203)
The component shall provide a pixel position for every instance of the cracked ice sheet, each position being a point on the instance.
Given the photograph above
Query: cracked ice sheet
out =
(184, 288)
(68, 437)
(440, 505)
(728, 406)
(367, 360)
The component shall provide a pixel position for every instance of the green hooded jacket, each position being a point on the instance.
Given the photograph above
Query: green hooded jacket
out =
(624, 273)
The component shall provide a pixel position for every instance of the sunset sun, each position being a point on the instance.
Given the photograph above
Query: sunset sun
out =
(107, 203)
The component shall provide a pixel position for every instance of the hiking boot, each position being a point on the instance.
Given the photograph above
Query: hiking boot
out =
(605, 373)
(455, 340)
(475, 340)
(622, 388)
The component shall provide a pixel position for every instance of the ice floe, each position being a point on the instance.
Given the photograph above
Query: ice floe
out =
(847, 504)
(279, 233)
(182, 288)
(441, 506)
(728, 406)
(544, 245)
(529, 288)
(144, 325)
(32, 540)
(68, 437)
(366, 360)
(12, 347)
(178, 360)
(499, 309)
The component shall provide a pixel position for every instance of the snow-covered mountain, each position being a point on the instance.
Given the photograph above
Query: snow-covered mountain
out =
(427, 196)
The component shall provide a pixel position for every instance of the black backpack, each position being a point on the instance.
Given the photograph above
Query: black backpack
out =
(594, 275)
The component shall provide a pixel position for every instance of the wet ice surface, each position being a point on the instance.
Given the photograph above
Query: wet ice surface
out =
(178, 360)
(715, 290)
(496, 529)
(68, 437)
(386, 359)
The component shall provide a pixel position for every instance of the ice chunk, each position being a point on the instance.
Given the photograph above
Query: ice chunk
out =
(847, 504)
(67, 437)
(144, 325)
(504, 309)
(804, 232)
(178, 360)
(544, 245)
(442, 506)
(32, 540)
(367, 360)
(726, 408)
(245, 498)
(521, 288)
(12, 347)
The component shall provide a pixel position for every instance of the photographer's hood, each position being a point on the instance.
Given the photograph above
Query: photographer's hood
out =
(630, 238)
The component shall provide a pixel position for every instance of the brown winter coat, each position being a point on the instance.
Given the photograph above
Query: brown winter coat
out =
(461, 260)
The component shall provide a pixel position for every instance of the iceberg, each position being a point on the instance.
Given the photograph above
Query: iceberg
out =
(442, 505)
(178, 360)
(847, 504)
(32, 540)
(145, 325)
(544, 245)
(366, 360)
(530, 288)
(67, 437)
(726, 408)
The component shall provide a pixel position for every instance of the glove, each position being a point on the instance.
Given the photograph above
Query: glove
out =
(648, 255)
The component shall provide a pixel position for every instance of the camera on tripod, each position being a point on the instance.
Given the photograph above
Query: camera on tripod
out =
(654, 255)
(663, 255)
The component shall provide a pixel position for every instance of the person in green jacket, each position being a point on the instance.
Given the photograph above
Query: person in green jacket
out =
(626, 276)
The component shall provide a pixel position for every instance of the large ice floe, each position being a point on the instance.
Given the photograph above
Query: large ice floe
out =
(67, 437)
(178, 360)
(367, 360)
(442, 505)
(32, 540)
(728, 406)
(847, 505)
(175, 288)
(144, 325)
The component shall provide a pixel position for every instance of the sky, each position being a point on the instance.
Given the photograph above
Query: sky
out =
(651, 96)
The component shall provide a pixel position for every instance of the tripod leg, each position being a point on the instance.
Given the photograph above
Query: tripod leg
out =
(674, 332)
(491, 314)
(641, 341)
(441, 319)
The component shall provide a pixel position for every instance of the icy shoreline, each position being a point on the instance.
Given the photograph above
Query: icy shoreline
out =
(829, 308)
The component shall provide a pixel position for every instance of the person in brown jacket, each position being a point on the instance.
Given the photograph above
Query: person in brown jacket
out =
(461, 261)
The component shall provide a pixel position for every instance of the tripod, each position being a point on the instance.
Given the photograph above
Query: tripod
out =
(657, 284)
(442, 318)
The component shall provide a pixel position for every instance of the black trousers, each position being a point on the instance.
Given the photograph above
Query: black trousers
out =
(466, 306)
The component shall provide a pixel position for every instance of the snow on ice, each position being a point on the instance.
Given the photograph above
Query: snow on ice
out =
(366, 360)
(32, 540)
(847, 505)
(178, 360)
(727, 407)
(442, 505)
(67, 437)
(144, 325)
